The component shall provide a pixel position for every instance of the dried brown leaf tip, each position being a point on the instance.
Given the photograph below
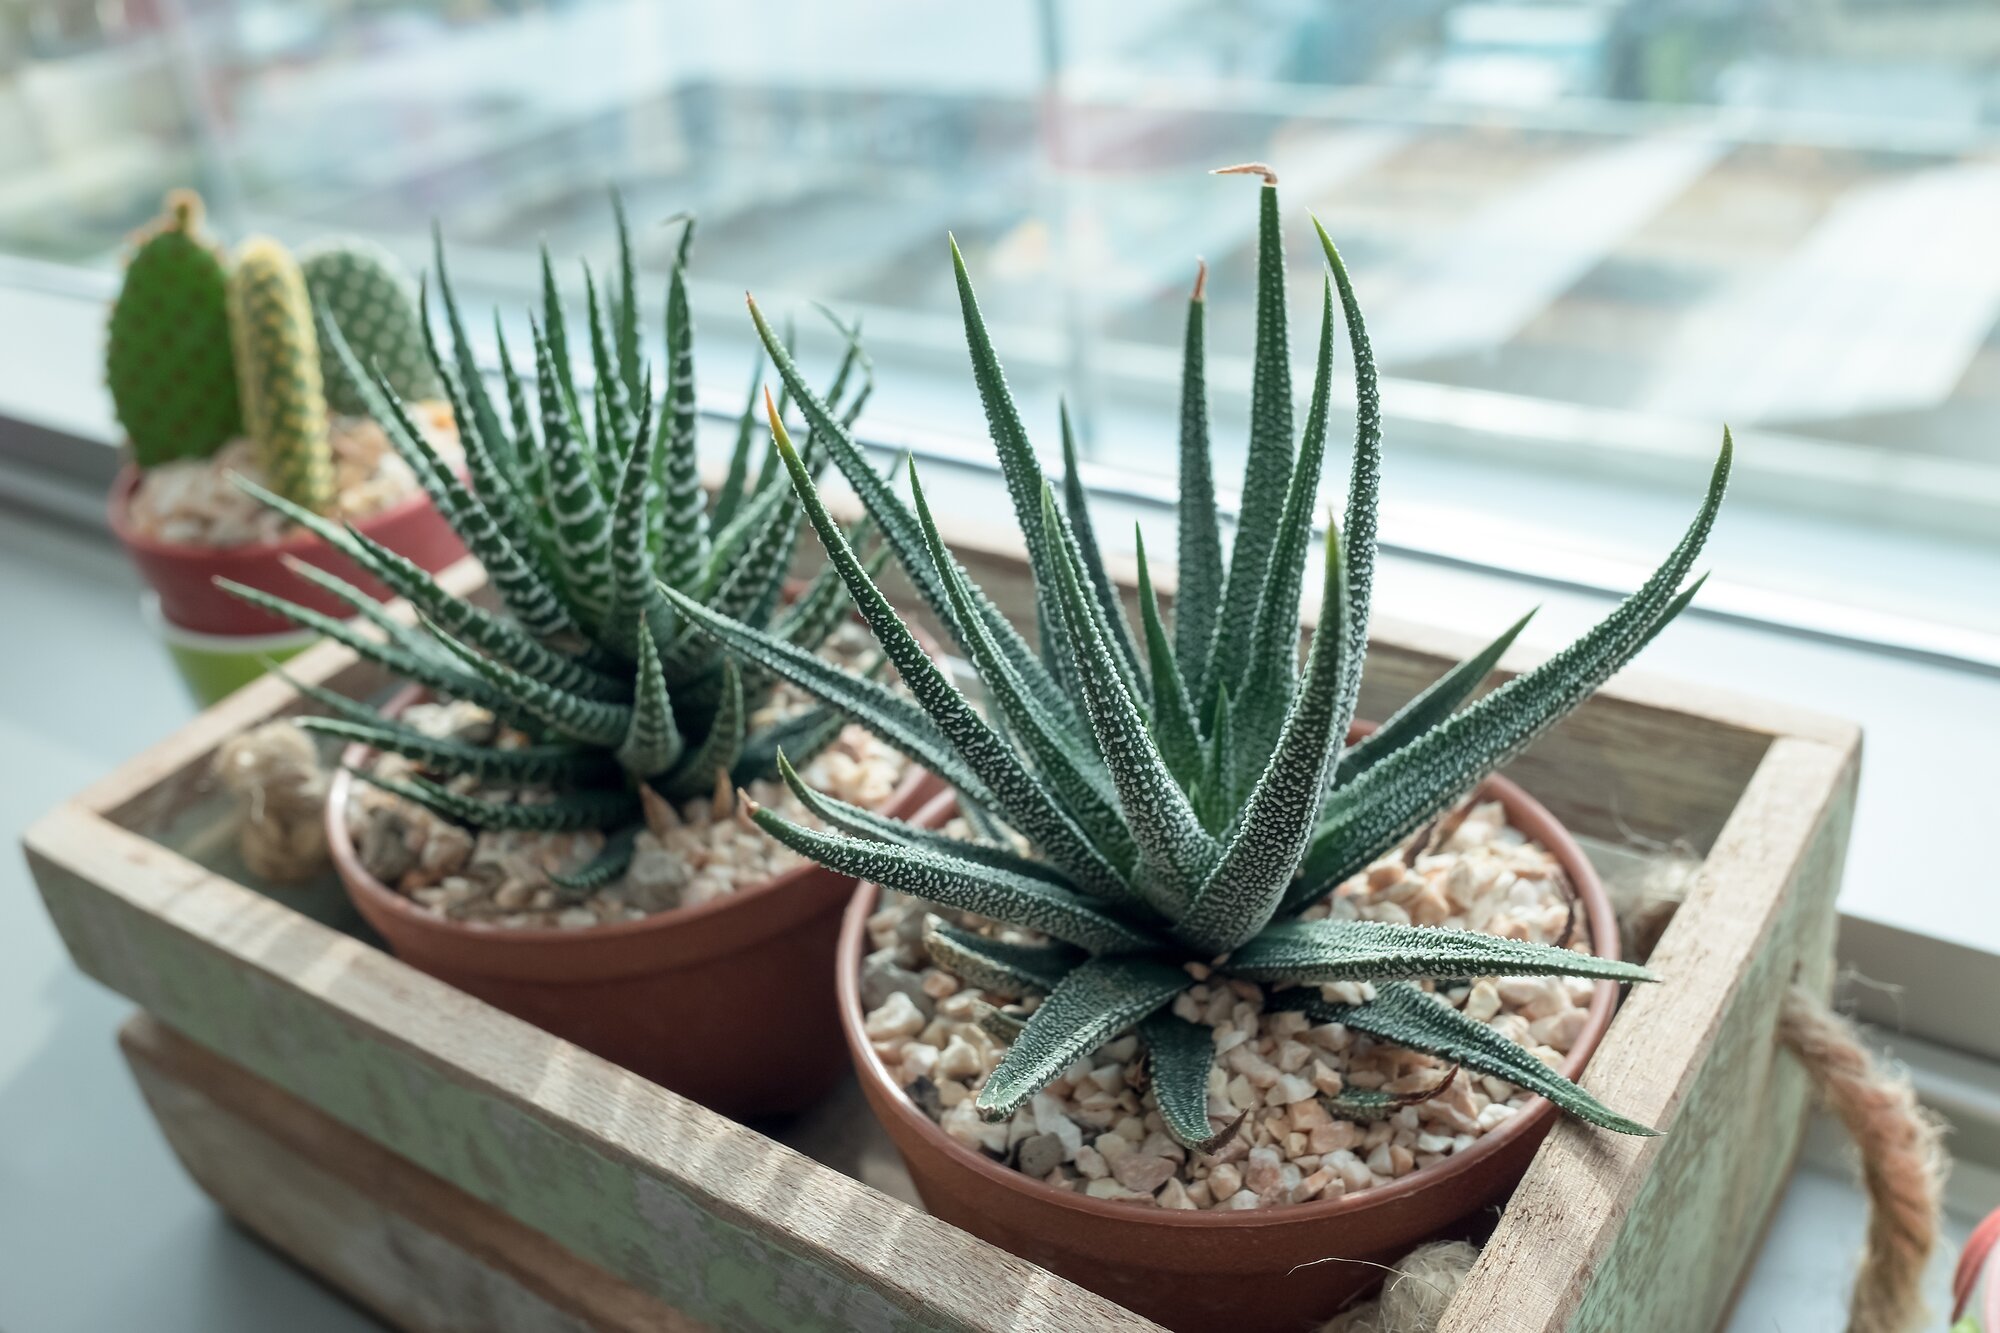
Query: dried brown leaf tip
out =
(1248, 169)
(1200, 279)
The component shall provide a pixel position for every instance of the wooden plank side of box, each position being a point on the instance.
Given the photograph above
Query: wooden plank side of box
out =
(716, 1221)
(1608, 1234)
(421, 1254)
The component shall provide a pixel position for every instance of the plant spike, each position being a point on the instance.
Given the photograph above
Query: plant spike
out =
(1198, 599)
(625, 306)
(1201, 771)
(1430, 706)
(1364, 482)
(900, 529)
(1176, 852)
(1076, 506)
(1269, 465)
(1026, 800)
(680, 516)
(1262, 854)
(591, 660)
(1174, 722)
(1266, 688)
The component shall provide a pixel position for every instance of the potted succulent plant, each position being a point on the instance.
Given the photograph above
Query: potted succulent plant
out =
(554, 827)
(1215, 1004)
(215, 369)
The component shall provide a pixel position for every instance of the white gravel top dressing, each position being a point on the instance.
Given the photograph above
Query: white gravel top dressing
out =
(191, 501)
(705, 849)
(1096, 1129)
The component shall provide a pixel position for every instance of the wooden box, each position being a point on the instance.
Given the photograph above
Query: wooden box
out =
(453, 1168)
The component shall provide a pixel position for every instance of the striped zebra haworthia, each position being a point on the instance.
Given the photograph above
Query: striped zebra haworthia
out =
(1186, 795)
(588, 513)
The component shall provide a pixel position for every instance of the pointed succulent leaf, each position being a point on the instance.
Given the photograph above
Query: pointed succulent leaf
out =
(587, 721)
(1262, 853)
(1218, 791)
(1174, 725)
(650, 740)
(1392, 799)
(1268, 468)
(560, 384)
(900, 528)
(1371, 1104)
(569, 810)
(895, 719)
(613, 399)
(1364, 479)
(1008, 970)
(682, 515)
(1097, 1000)
(1431, 706)
(1403, 1014)
(520, 585)
(482, 419)
(954, 881)
(625, 305)
(489, 456)
(1077, 776)
(528, 471)
(1198, 599)
(1179, 1055)
(633, 596)
(469, 623)
(612, 861)
(1076, 503)
(526, 764)
(1267, 683)
(804, 734)
(1021, 797)
(1172, 842)
(1336, 950)
(446, 677)
(730, 494)
(718, 751)
(582, 524)
(847, 818)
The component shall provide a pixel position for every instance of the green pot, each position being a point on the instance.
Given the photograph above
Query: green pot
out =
(214, 665)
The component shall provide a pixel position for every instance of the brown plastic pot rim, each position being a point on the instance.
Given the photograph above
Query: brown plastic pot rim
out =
(341, 846)
(1521, 808)
(118, 512)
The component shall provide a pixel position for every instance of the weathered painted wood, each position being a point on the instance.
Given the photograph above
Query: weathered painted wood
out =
(1609, 1234)
(738, 1232)
(715, 1220)
(415, 1250)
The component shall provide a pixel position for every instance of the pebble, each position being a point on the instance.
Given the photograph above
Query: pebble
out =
(698, 853)
(1095, 1128)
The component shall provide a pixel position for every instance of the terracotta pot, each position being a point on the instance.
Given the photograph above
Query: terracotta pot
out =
(730, 1003)
(184, 575)
(1280, 1269)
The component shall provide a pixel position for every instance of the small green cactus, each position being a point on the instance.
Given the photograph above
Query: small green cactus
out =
(366, 292)
(168, 361)
(277, 362)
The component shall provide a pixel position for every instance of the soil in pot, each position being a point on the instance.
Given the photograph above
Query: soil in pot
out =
(707, 966)
(185, 524)
(1278, 1227)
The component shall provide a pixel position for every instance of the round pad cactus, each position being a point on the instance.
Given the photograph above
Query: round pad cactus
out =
(367, 293)
(168, 360)
(277, 360)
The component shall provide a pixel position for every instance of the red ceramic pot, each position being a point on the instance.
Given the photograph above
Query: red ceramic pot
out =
(730, 1003)
(1278, 1269)
(184, 575)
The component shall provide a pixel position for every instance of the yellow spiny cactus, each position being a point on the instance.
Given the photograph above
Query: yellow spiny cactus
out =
(278, 372)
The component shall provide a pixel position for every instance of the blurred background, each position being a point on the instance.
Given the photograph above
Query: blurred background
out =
(1586, 234)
